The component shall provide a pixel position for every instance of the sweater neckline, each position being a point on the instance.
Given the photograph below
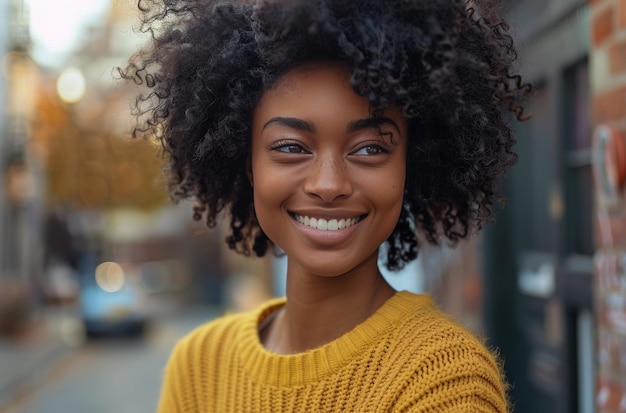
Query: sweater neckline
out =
(313, 365)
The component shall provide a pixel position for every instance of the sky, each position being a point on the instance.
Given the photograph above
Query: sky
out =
(57, 26)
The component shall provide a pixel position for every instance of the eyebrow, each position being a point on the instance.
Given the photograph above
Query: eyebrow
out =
(370, 123)
(293, 123)
(354, 126)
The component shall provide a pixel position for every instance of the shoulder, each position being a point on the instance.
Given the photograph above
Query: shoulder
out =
(189, 359)
(449, 364)
(437, 338)
(428, 326)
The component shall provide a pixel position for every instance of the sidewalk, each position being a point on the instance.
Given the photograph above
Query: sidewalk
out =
(27, 359)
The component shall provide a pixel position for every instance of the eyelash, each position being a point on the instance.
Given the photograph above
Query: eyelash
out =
(380, 149)
(278, 146)
(284, 147)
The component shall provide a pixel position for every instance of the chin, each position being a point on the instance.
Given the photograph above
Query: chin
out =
(331, 265)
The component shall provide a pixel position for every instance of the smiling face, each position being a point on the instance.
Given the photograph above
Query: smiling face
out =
(328, 178)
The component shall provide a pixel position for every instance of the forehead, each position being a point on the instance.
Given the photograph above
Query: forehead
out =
(320, 93)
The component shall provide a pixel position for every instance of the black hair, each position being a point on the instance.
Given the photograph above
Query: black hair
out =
(448, 64)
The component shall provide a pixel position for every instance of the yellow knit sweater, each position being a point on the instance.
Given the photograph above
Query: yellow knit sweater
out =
(407, 357)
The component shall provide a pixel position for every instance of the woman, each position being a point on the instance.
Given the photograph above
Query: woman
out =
(332, 130)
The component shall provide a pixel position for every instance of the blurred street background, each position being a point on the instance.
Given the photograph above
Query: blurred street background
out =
(100, 274)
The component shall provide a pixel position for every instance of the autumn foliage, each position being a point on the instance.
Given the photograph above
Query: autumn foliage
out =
(88, 163)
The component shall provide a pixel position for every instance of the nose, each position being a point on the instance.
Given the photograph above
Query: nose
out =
(328, 179)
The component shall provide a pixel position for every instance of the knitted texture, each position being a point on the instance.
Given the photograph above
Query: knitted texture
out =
(407, 357)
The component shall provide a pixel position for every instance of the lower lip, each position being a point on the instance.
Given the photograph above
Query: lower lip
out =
(327, 237)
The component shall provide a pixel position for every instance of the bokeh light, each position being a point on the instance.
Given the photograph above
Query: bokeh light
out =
(110, 276)
(71, 85)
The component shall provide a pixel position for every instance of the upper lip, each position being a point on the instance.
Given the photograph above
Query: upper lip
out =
(328, 213)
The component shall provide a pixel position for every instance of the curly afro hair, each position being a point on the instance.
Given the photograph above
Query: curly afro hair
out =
(447, 63)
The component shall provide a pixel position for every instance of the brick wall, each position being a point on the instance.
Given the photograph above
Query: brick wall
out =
(608, 108)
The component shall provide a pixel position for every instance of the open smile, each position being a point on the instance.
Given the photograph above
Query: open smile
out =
(325, 224)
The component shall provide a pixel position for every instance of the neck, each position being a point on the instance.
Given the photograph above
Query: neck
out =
(321, 309)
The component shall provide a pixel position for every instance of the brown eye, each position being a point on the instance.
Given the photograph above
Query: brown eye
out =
(290, 148)
(370, 150)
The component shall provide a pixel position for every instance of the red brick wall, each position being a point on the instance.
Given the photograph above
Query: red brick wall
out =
(608, 108)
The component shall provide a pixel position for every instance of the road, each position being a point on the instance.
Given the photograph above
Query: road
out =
(120, 375)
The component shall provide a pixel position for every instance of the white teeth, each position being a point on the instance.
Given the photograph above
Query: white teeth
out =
(333, 225)
(326, 225)
(322, 224)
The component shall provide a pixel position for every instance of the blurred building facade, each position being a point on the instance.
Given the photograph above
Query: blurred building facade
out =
(553, 268)
(21, 201)
(608, 109)
(4, 48)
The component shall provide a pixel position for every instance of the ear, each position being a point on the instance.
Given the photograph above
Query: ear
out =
(249, 170)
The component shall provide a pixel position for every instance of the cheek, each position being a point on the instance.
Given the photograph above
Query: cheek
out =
(393, 199)
(389, 186)
(268, 195)
(390, 193)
